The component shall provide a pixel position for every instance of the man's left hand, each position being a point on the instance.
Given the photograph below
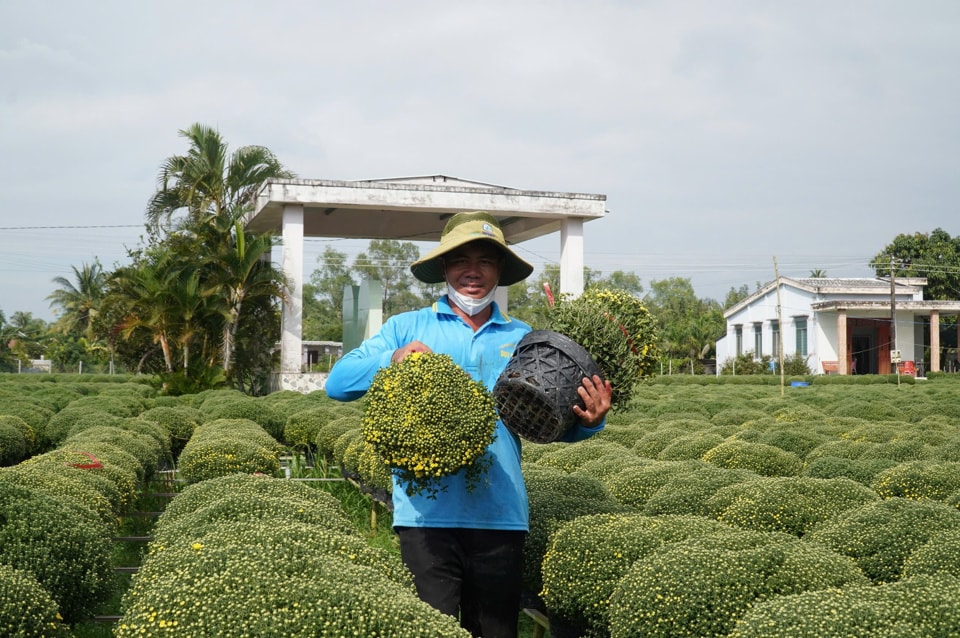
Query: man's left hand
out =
(596, 395)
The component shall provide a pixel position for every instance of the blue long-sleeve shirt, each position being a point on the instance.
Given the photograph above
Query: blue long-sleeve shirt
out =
(500, 501)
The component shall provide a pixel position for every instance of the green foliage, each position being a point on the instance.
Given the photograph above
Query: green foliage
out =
(701, 586)
(16, 439)
(939, 554)
(179, 421)
(690, 446)
(302, 427)
(256, 556)
(919, 480)
(65, 547)
(919, 606)
(143, 446)
(226, 446)
(860, 470)
(793, 505)
(763, 459)
(266, 416)
(328, 434)
(691, 493)
(616, 329)
(634, 486)
(555, 497)
(26, 609)
(589, 555)
(880, 536)
(569, 457)
(428, 419)
(747, 364)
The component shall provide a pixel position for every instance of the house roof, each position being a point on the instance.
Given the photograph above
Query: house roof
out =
(835, 286)
(415, 208)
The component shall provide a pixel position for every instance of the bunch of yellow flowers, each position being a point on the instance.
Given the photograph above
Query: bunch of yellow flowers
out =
(427, 418)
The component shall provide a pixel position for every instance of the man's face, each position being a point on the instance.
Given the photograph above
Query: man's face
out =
(473, 269)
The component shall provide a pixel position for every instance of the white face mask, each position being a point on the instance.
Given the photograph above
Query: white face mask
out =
(467, 304)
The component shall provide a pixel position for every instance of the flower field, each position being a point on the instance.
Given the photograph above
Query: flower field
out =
(705, 508)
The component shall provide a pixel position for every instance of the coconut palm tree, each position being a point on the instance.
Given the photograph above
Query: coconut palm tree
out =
(208, 182)
(78, 301)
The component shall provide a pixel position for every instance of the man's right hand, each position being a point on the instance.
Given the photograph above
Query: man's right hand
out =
(414, 346)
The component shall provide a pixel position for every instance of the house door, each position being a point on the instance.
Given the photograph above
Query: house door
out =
(864, 353)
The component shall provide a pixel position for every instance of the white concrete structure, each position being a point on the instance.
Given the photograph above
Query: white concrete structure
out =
(840, 325)
(409, 209)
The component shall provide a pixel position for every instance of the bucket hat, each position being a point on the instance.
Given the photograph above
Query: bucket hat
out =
(462, 229)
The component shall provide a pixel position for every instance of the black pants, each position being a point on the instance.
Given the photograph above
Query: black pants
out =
(473, 574)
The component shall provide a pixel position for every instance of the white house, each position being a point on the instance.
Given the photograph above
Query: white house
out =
(840, 325)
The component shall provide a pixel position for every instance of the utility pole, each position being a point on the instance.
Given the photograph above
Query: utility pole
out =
(893, 323)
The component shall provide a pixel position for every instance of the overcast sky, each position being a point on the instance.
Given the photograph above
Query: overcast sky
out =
(724, 133)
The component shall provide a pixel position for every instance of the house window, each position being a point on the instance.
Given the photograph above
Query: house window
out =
(801, 324)
(738, 331)
(758, 340)
(775, 334)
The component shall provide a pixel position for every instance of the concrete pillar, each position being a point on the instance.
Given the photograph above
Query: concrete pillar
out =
(291, 337)
(934, 341)
(842, 354)
(571, 256)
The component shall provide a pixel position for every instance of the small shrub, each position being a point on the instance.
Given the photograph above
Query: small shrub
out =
(919, 480)
(261, 413)
(691, 493)
(328, 434)
(26, 609)
(66, 549)
(302, 427)
(880, 536)
(793, 505)
(702, 586)
(763, 459)
(690, 446)
(919, 606)
(863, 471)
(589, 555)
(570, 457)
(635, 485)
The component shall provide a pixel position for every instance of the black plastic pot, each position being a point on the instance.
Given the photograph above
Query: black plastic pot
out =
(537, 390)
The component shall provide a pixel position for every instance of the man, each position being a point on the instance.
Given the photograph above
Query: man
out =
(464, 547)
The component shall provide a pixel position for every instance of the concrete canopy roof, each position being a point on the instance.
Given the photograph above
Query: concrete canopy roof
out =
(415, 208)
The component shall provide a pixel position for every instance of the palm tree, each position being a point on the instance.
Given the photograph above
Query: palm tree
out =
(208, 182)
(79, 300)
(241, 273)
(146, 288)
(818, 273)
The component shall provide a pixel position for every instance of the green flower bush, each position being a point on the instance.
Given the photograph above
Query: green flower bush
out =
(690, 446)
(226, 446)
(652, 443)
(588, 556)
(691, 493)
(919, 480)
(736, 416)
(276, 590)
(939, 554)
(701, 586)
(616, 329)
(860, 470)
(880, 536)
(143, 446)
(244, 555)
(328, 434)
(763, 459)
(428, 419)
(16, 439)
(26, 609)
(556, 496)
(64, 546)
(198, 496)
(920, 606)
(59, 426)
(179, 421)
(604, 467)
(634, 486)
(302, 427)
(261, 413)
(93, 495)
(797, 439)
(36, 416)
(793, 505)
(570, 457)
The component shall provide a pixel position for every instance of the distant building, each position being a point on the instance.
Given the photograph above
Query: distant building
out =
(840, 325)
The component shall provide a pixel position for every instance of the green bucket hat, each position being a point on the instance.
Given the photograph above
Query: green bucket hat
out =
(462, 229)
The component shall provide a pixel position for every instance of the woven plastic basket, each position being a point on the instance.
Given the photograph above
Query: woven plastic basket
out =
(537, 390)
